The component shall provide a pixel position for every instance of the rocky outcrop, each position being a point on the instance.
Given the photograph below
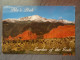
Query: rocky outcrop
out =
(61, 32)
(26, 35)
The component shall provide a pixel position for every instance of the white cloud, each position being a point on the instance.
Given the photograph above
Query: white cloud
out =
(60, 17)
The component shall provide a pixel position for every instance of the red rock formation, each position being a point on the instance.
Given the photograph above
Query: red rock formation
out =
(10, 38)
(61, 32)
(27, 35)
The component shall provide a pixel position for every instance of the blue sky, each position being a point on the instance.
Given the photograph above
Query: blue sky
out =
(49, 12)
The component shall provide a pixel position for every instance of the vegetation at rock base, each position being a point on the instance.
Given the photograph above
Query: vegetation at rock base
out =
(28, 46)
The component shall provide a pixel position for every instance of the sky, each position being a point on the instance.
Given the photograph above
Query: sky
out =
(49, 12)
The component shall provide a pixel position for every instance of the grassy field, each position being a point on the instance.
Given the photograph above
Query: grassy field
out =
(28, 46)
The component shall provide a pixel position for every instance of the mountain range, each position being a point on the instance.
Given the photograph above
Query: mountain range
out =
(36, 24)
(37, 18)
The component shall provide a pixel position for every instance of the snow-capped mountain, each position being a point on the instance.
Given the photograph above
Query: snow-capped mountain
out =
(37, 18)
(65, 21)
(12, 20)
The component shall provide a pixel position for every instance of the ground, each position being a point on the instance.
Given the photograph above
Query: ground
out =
(29, 46)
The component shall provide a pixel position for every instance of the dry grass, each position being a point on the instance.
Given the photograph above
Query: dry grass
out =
(28, 46)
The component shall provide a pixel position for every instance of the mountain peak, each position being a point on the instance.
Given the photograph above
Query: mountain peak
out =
(34, 17)
(37, 18)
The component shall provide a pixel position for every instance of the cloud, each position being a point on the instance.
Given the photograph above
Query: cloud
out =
(60, 17)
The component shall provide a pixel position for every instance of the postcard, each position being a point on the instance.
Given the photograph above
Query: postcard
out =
(38, 30)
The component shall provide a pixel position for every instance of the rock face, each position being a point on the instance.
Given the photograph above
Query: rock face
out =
(61, 32)
(26, 35)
